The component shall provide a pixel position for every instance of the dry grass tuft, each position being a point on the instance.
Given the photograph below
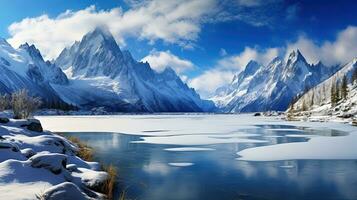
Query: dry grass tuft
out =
(109, 184)
(84, 151)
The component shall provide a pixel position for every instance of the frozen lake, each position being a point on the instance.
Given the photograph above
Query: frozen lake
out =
(220, 156)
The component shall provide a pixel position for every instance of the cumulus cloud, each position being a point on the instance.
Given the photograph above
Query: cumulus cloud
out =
(176, 22)
(239, 61)
(210, 80)
(159, 60)
(340, 51)
(222, 73)
(173, 22)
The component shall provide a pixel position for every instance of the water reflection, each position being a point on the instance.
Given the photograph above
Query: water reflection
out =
(145, 173)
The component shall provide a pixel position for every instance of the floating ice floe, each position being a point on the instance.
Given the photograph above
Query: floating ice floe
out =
(194, 140)
(181, 164)
(189, 149)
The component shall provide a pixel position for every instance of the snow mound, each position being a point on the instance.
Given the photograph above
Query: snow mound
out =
(44, 165)
(65, 191)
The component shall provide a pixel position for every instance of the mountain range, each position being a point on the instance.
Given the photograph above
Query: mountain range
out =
(94, 72)
(271, 87)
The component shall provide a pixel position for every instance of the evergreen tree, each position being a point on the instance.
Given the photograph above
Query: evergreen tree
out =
(354, 76)
(337, 91)
(303, 108)
(324, 92)
(344, 89)
(333, 95)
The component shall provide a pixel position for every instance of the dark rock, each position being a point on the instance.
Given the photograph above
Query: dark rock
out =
(354, 122)
(28, 152)
(4, 120)
(33, 125)
(257, 114)
(346, 115)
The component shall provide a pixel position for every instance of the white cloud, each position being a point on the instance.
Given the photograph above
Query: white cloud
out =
(239, 61)
(222, 73)
(210, 80)
(340, 51)
(177, 22)
(159, 60)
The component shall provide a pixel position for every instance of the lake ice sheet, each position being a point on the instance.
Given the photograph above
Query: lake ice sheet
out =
(189, 157)
(191, 130)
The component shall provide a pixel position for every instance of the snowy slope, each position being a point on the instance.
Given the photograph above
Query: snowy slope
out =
(270, 87)
(318, 99)
(102, 75)
(24, 68)
(43, 164)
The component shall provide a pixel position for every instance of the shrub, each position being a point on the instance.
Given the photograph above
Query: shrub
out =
(24, 105)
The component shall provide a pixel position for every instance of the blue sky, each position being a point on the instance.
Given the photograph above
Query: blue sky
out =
(205, 41)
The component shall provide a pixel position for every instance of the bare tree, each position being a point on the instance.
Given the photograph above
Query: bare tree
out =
(24, 105)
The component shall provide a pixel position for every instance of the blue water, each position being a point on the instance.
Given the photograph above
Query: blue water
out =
(145, 173)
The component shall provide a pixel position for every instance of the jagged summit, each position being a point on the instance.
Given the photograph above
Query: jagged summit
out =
(97, 54)
(121, 82)
(32, 51)
(251, 67)
(100, 36)
(270, 87)
(295, 56)
(24, 68)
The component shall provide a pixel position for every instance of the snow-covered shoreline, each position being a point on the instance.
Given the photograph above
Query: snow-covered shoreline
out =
(40, 164)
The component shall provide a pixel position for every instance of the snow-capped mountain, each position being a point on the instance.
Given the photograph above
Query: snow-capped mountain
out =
(24, 68)
(100, 74)
(270, 87)
(317, 101)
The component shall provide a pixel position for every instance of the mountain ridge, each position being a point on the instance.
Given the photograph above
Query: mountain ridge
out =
(135, 86)
(270, 87)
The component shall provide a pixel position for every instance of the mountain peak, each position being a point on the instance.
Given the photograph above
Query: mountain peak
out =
(101, 33)
(251, 67)
(32, 50)
(99, 55)
(295, 56)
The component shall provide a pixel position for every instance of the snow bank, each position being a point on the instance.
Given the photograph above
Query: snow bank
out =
(181, 164)
(35, 164)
